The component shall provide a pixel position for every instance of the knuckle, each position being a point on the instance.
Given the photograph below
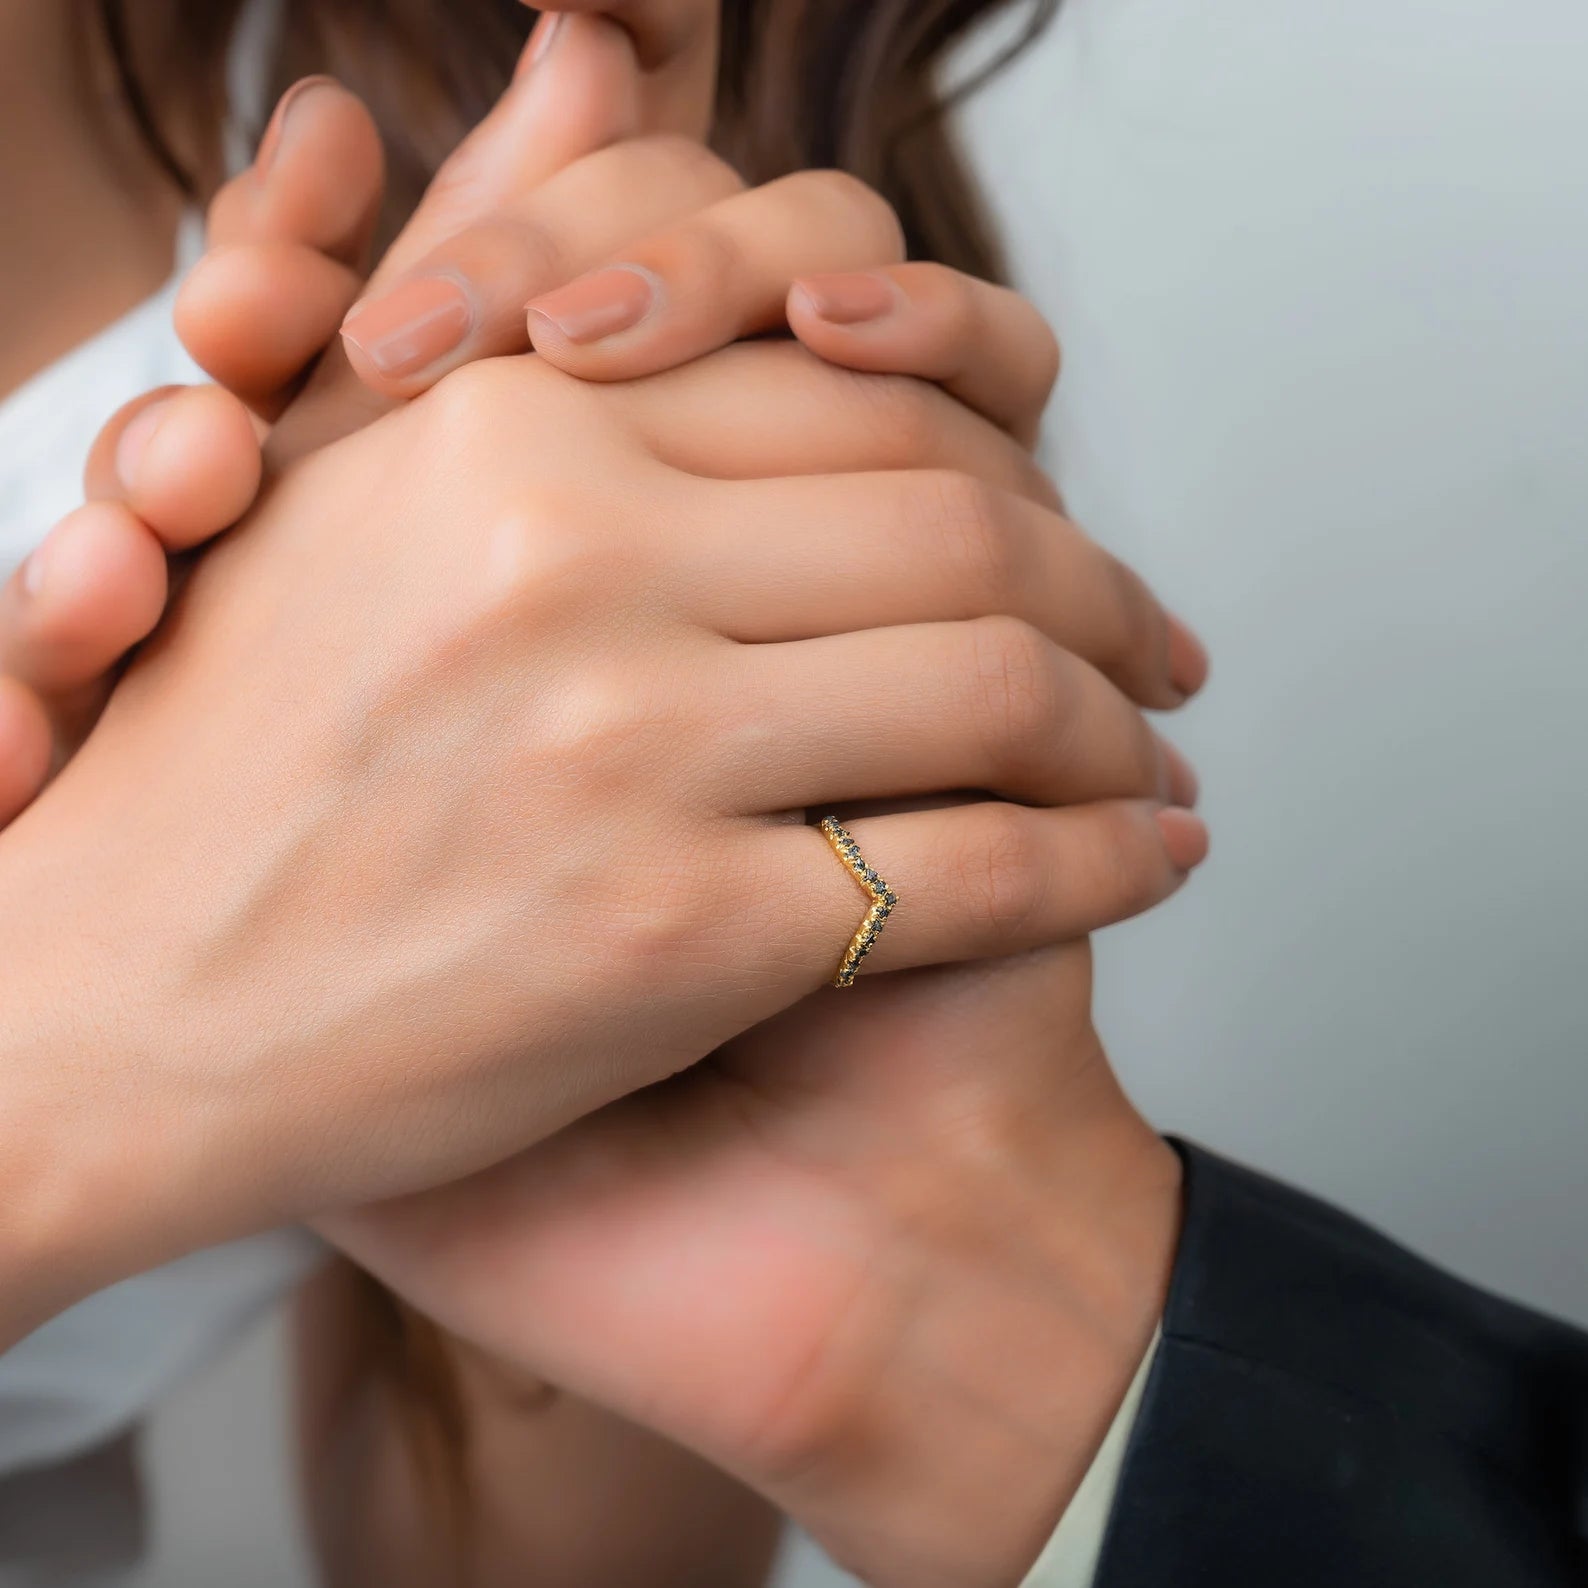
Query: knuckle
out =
(907, 417)
(1002, 874)
(468, 183)
(535, 559)
(545, 553)
(697, 172)
(521, 249)
(708, 261)
(493, 403)
(951, 299)
(861, 208)
(534, 539)
(596, 733)
(961, 329)
(966, 517)
(661, 928)
(466, 404)
(537, 252)
(1017, 689)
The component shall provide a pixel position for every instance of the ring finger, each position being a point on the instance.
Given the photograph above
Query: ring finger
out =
(978, 881)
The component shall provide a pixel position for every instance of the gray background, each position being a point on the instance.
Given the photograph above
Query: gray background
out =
(1319, 271)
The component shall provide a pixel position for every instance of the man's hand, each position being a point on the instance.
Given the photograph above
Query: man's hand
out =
(892, 1261)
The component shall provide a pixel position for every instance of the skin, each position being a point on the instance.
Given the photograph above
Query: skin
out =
(992, 701)
(392, 1240)
(107, 584)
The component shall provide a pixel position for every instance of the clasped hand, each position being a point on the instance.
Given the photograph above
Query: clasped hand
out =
(463, 792)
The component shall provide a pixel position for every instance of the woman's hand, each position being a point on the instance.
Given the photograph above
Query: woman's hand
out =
(290, 240)
(292, 234)
(641, 693)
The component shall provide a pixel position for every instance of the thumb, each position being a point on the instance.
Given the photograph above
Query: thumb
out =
(577, 90)
(676, 43)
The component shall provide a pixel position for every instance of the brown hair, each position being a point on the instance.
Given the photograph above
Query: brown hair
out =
(803, 83)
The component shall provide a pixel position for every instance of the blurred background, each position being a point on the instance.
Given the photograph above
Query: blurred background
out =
(1319, 273)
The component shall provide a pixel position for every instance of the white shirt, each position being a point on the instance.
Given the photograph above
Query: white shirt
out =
(95, 1371)
(47, 425)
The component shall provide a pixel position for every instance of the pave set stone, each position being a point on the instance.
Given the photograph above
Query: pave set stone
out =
(883, 901)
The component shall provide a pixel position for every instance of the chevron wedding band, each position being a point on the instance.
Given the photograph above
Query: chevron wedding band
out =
(883, 901)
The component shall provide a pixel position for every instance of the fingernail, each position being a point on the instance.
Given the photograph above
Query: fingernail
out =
(413, 326)
(1185, 837)
(541, 38)
(271, 145)
(135, 441)
(599, 305)
(1180, 779)
(1188, 658)
(848, 299)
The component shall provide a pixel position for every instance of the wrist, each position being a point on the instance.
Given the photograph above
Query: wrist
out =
(89, 1164)
(54, 1186)
(1019, 1330)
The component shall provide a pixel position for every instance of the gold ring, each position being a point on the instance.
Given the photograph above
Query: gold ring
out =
(883, 901)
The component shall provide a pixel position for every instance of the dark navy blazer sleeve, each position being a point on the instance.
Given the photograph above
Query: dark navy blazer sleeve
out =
(1327, 1410)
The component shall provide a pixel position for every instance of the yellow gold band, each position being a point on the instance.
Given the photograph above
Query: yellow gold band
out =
(883, 901)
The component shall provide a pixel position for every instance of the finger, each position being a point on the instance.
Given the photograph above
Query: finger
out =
(576, 92)
(466, 300)
(822, 556)
(271, 299)
(317, 181)
(453, 287)
(289, 245)
(892, 713)
(255, 316)
(25, 748)
(776, 410)
(185, 460)
(94, 588)
(982, 880)
(676, 44)
(504, 221)
(717, 277)
(984, 344)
